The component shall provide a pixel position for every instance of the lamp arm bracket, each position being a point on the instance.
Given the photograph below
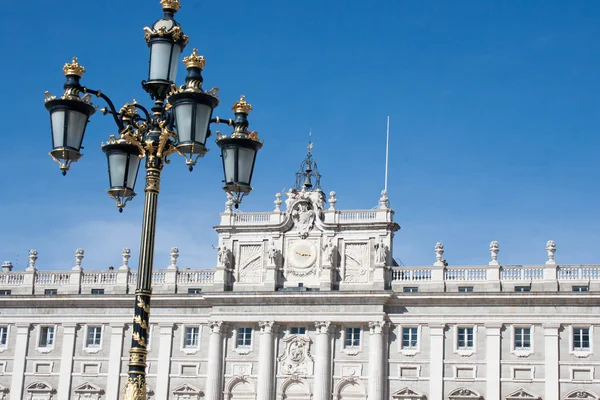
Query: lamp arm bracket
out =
(219, 120)
(108, 101)
(145, 111)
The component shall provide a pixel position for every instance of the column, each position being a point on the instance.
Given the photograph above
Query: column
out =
(18, 372)
(66, 361)
(376, 361)
(322, 390)
(164, 360)
(493, 333)
(436, 361)
(551, 352)
(113, 383)
(215, 362)
(264, 390)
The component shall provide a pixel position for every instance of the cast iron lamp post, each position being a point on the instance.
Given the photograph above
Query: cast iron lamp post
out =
(177, 122)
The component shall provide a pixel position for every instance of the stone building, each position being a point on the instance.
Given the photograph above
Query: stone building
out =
(306, 302)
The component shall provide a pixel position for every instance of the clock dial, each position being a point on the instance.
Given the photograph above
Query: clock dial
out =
(302, 254)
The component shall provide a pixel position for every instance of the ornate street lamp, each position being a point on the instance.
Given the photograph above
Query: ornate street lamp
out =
(177, 122)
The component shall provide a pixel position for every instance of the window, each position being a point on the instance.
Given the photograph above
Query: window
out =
(410, 289)
(46, 336)
(51, 291)
(94, 336)
(465, 338)
(3, 336)
(194, 291)
(352, 337)
(191, 337)
(244, 337)
(298, 330)
(581, 339)
(522, 338)
(580, 288)
(522, 288)
(410, 338)
(5, 292)
(465, 289)
(97, 291)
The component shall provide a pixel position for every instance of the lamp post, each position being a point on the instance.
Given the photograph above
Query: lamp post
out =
(178, 121)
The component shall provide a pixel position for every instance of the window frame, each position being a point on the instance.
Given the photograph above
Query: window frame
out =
(579, 287)
(524, 289)
(50, 292)
(290, 331)
(522, 351)
(410, 289)
(4, 346)
(5, 292)
(409, 351)
(352, 349)
(469, 289)
(581, 352)
(102, 291)
(47, 348)
(465, 351)
(190, 349)
(244, 349)
(94, 348)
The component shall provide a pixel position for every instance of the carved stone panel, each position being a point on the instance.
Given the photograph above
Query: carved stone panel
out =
(250, 263)
(356, 263)
(296, 358)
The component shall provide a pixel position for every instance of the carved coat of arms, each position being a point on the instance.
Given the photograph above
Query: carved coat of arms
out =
(296, 358)
(304, 218)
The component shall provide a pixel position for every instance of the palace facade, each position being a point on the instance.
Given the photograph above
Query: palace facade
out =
(306, 303)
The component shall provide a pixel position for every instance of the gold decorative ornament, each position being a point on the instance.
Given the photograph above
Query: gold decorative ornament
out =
(129, 110)
(138, 319)
(242, 106)
(214, 92)
(162, 31)
(194, 60)
(143, 305)
(173, 5)
(136, 336)
(135, 389)
(74, 68)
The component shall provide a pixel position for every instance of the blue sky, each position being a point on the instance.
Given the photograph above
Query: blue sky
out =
(494, 106)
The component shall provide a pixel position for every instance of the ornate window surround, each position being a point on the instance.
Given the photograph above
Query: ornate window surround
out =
(409, 352)
(352, 350)
(4, 346)
(191, 349)
(45, 349)
(86, 348)
(465, 352)
(522, 352)
(244, 349)
(581, 353)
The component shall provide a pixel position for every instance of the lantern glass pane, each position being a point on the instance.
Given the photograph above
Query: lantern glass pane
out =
(203, 112)
(58, 127)
(229, 164)
(245, 161)
(174, 62)
(183, 116)
(75, 128)
(116, 166)
(160, 55)
(134, 164)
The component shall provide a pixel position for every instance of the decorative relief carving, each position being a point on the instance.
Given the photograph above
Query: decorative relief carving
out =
(351, 370)
(225, 256)
(356, 262)
(301, 257)
(303, 216)
(250, 265)
(380, 252)
(273, 253)
(296, 358)
(329, 250)
(242, 369)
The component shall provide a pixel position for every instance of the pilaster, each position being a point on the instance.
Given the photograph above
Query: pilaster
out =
(493, 353)
(113, 383)
(377, 377)
(551, 360)
(436, 361)
(18, 374)
(66, 361)
(164, 360)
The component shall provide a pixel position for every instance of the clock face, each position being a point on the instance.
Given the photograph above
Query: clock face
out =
(302, 254)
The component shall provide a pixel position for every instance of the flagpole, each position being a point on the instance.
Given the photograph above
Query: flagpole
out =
(387, 142)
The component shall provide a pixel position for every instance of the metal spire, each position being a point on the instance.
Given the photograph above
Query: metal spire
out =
(308, 171)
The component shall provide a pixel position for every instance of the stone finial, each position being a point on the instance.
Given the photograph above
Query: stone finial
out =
(278, 202)
(174, 257)
(126, 254)
(332, 200)
(439, 252)
(229, 203)
(384, 201)
(551, 249)
(78, 259)
(494, 249)
(7, 266)
(33, 256)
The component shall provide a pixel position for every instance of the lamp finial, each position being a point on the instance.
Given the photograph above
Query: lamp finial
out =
(194, 60)
(74, 68)
(242, 106)
(170, 5)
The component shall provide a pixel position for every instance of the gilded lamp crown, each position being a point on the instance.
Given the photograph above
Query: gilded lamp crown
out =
(194, 60)
(172, 5)
(74, 68)
(242, 106)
